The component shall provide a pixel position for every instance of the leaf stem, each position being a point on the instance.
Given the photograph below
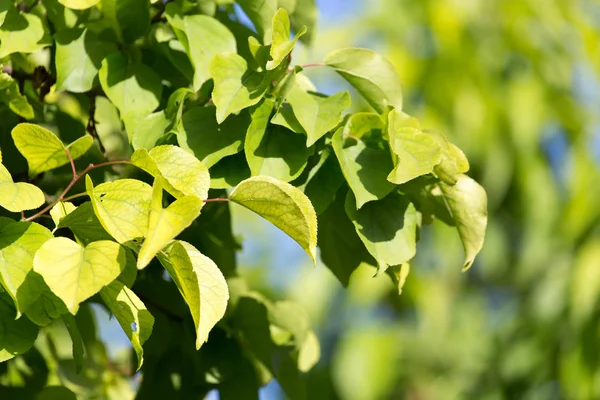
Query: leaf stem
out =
(72, 162)
(215, 199)
(318, 64)
(74, 196)
(75, 179)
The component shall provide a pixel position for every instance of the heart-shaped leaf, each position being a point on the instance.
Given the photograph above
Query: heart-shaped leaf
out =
(164, 224)
(201, 284)
(75, 273)
(16, 197)
(43, 150)
(282, 204)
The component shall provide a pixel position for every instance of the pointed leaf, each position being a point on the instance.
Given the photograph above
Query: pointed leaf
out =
(467, 201)
(132, 314)
(317, 114)
(283, 205)
(305, 14)
(373, 76)
(122, 207)
(43, 150)
(399, 273)
(164, 224)
(210, 142)
(19, 241)
(79, 55)
(183, 173)
(75, 273)
(16, 197)
(282, 45)
(236, 87)
(203, 37)
(261, 14)
(387, 227)
(84, 224)
(201, 284)
(16, 336)
(365, 169)
(273, 150)
(417, 152)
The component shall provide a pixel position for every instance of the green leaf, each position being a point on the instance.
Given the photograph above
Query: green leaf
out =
(135, 89)
(323, 181)
(16, 336)
(79, 55)
(133, 316)
(149, 130)
(19, 241)
(78, 349)
(84, 224)
(16, 197)
(230, 171)
(309, 353)
(417, 152)
(317, 114)
(164, 224)
(43, 150)
(61, 210)
(364, 124)
(261, 14)
(373, 76)
(236, 87)
(282, 45)
(387, 228)
(365, 169)
(75, 273)
(453, 161)
(340, 247)
(274, 150)
(11, 96)
(47, 307)
(130, 19)
(283, 205)
(210, 142)
(183, 173)
(79, 4)
(399, 273)
(467, 201)
(22, 33)
(201, 284)
(122, 207)
(203, 37)
(305, 14)
(56, 393)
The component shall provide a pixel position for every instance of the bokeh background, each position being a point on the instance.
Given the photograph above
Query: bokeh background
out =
(514, 83)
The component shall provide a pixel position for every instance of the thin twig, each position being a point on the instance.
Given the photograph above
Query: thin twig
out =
(73, 169)
(75, 179)
(318, 64)
(74, 196)
(91, 125)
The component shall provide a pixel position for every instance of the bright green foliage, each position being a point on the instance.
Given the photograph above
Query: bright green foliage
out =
(167, 106)
(282, 204)
(43, 150)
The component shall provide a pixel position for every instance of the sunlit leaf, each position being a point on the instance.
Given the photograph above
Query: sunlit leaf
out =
(261, 14)
(282, 45)
(373, 76)
(164, 224)
(75, 273)
(283, 205)
(10, 95)
(16, 197)
(79, 4)
(22, 32)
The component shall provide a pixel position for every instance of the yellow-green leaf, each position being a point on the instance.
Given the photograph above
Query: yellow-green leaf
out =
(164, 224)
(16, 197)
(417, 152)
(282, 45)
(284, 205)
(75, 273)
(122, 207)
(133, 316)
(183, 174)
(201, 284)
(22, 32)
(467, 201)
(43, 150)
(78, 4)
(61, 210)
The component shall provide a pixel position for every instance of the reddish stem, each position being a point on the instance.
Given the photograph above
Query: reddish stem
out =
(75, 179)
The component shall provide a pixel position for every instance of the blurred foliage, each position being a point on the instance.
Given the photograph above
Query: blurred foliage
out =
(516, 85)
